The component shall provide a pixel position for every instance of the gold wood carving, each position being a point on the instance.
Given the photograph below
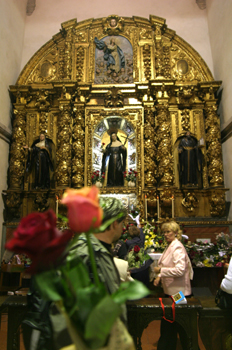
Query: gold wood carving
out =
(63, 154)
(214, 152)
(164, 146)
(172, 89)
(17, 154)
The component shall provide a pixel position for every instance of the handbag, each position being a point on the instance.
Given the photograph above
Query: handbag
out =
(223, 299)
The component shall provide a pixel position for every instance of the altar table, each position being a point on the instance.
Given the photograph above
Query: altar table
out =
(142, 312)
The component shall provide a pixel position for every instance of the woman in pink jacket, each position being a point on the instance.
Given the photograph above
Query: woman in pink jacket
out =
(174, 271)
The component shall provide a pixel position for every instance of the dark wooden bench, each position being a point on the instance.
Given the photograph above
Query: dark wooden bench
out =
(215, 325)
(16, 307)
(144, 311)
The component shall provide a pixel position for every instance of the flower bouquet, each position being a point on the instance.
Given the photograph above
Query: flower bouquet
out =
(130, 176)
(137, 257)
(91, 313)
(154, 240)
(97, 177)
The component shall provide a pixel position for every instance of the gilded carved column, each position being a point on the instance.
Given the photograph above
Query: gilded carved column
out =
(64, 147)
(149, 147)
(164, 146)
(17, 153)
(214, 149)
(78, 146)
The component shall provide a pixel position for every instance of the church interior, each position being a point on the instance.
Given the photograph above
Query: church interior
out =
(153, 79)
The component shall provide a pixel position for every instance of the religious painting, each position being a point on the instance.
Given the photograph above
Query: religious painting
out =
(113, 61)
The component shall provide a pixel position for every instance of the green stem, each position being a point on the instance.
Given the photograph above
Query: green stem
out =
(92, 261)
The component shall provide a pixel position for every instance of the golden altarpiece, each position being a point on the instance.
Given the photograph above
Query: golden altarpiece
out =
(71, 92)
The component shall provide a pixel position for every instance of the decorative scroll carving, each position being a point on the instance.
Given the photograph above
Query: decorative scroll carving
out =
(190, 202)
(185, 120)
(114, 98)
(17, 155)
(41, 202)
(166, 203)
(80, 56)
(78, 147)
(149, 148)
(147, 61)
(63, 154)
(217, 203)
(166, 62)
(164, 149)
(214, 151)
(12, 201)
(158, 53)
(113, 25)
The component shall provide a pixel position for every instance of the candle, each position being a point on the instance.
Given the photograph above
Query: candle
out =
(57, 203)
(158, 208)
(172, 206)
(145, 207)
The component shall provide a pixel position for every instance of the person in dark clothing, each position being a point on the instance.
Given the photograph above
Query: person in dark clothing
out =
(137, 237)
(116, 153)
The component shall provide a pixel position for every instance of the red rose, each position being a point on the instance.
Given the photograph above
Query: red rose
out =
(136, 248)
(38, 237)
(103, 176)
(84, 211)
(124, 175)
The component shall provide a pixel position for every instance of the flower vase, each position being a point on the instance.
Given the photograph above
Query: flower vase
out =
(98, 184)
(131, 183)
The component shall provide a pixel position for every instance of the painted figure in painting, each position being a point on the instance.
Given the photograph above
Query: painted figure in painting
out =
(115, 152)
(190, 160)
(40, 158)
(113, 55)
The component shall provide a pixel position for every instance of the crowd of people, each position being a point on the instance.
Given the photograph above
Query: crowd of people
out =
(173, 273)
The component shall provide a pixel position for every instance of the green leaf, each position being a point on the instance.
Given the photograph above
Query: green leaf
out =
(87, 299)
(100, 322)
(63, 218)
(130, 291)
(47, 283)
(75, 270)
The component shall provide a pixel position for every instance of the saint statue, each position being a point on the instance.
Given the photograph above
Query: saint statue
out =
(190, 160)
(116, 153)
(40, 158)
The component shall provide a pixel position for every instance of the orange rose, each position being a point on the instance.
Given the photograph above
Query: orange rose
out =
(84, 211)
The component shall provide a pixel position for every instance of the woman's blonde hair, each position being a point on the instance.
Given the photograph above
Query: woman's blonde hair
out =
(173, 226)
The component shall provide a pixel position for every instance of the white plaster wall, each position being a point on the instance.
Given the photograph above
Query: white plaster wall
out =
(219, 14)
(183, 16)
(12, 24)
(220, 30)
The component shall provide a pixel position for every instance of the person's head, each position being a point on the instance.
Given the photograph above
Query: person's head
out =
(113, 22)
(42, 137)
(171, 230)
(134, 231)
(112, 207)
(113, 137)
(188, 134)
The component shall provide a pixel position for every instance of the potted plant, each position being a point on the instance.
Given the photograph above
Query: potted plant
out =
(130, 177)
(98, 178)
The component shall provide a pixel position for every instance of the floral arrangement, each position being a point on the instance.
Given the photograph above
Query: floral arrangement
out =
(137, 257)
(201, 254)
(130, 175)
(98, 177)
(154, 240)
(90, 312)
